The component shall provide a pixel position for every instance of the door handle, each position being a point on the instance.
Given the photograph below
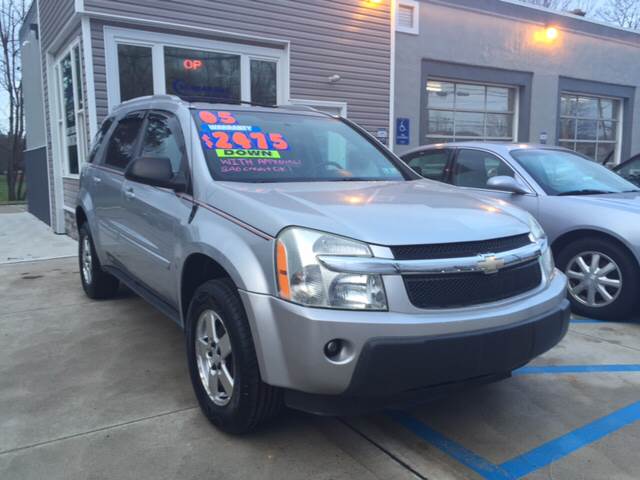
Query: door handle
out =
(97, 180)
(129, 193)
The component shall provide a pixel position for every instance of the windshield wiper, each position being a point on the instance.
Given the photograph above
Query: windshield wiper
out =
(584, 191)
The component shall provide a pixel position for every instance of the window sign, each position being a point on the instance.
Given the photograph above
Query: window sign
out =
(200, 75)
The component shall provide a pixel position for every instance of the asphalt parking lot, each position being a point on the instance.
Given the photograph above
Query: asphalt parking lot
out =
(97, 390)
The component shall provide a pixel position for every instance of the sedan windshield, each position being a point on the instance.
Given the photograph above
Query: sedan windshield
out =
(255, 146)
(561, 172)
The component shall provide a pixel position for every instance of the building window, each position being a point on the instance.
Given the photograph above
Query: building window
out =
(70, 110)
(466, 111)
(142, 63)
(590, 126)
(264, 89)
(407, 16)
(135, 71)
(194, 74)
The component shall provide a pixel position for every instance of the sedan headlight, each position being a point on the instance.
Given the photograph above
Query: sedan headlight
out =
(302, 279)
(546, 260)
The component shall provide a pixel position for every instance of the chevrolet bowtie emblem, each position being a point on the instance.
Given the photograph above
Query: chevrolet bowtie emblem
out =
(490, 264)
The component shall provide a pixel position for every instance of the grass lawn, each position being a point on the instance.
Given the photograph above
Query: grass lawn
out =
(4, 194)
(3, 189)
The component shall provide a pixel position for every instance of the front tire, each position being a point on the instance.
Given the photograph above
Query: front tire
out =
(96, 283)
(222, 361)
(603, 278)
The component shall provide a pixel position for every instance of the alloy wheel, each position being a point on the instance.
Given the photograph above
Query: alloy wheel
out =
(214, 357)
(595, 280)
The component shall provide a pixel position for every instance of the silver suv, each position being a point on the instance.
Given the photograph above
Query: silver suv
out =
(307, 264)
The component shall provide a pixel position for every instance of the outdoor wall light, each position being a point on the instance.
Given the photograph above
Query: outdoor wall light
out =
(549, 34)
(334, 78)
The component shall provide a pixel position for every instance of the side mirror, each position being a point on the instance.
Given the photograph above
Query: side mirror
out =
(507, 184)
(155, 171)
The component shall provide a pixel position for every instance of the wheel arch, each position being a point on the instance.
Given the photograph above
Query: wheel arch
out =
(568, 237)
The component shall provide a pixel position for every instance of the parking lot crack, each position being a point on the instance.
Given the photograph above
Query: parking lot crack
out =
(607, 341)
(96, 430)
(384, 450)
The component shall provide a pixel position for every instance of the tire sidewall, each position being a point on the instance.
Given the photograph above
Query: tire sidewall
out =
(623, 306)
(83, 232)
(230, 416)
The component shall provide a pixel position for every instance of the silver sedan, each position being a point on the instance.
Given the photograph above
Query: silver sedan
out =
(591, 215)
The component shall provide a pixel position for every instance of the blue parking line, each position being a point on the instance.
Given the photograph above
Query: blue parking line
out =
(562, 446)
(530, 461)
(466, 457)
(556, 369)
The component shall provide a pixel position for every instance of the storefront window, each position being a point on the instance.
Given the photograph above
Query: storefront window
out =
(136, 71)
(461, 111)
(589, 125)
(263, 82)
(198, 75)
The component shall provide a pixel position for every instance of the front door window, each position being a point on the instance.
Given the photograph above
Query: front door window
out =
(474, 168)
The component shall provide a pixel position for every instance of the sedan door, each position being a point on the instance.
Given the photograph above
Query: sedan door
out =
(154, 218)
(472, 169)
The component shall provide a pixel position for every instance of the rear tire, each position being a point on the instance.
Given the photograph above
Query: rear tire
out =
(224, 371)
(603, 278)
(97, 283)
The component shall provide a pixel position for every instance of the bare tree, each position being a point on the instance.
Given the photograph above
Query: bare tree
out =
(625, 13)
(587, 6)
(12, 15)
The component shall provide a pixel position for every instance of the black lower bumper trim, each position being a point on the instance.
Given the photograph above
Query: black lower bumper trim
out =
(404, 371)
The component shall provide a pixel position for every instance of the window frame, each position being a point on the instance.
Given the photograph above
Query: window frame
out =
(514, 113)
(75, 54)
(618, 121)
(158, 41)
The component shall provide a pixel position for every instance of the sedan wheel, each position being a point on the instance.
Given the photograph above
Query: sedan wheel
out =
(595, 280)
(215, 358)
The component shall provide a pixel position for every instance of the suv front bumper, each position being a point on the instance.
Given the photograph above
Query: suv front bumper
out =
(396, 355)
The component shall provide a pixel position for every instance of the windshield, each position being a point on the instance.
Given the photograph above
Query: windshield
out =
(560, 172)
(248, 146)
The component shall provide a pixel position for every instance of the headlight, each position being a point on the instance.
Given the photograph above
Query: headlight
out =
(302, 279)
(546, 260)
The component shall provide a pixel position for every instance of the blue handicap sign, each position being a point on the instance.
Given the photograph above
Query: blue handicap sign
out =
(403, 131)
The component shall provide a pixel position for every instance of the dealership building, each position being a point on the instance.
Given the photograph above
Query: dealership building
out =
(411, 72)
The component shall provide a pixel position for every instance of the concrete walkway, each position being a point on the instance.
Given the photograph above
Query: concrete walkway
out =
(25, 238)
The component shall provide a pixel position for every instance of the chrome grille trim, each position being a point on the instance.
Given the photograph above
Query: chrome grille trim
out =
(389, 266)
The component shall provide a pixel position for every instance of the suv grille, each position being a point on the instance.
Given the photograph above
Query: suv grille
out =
(463, 249)
(465, 289)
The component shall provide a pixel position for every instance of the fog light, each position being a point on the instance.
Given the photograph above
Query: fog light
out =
(332, 348)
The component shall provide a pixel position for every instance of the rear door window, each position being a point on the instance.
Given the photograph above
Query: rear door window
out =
(431, 164)
(123, 141)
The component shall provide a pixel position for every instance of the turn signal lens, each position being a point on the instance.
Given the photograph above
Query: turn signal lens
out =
(283, 276)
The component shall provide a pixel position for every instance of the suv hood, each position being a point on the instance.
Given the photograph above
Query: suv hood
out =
(383, 213)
